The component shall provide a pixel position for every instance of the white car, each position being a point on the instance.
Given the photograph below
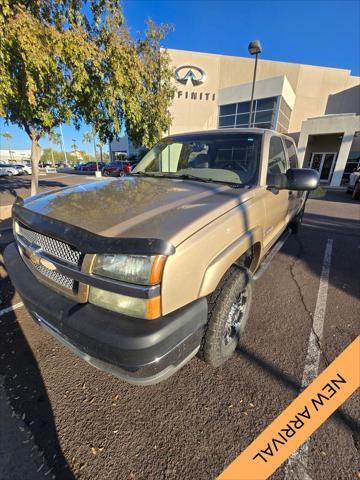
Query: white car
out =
(7, 170)
(27, 169)
(354, 184)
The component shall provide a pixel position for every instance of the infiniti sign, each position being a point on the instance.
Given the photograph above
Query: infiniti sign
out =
(187, 73)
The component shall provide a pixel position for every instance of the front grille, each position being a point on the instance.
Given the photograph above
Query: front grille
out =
(61, 250)
(50, 247)
(56, 277)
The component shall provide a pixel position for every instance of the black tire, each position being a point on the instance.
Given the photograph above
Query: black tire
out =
(296, 222)
(348, 191)
(356, 192)
(229, 308)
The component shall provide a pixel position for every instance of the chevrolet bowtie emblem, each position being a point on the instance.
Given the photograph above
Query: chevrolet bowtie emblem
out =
(37, 260)
(187, 73)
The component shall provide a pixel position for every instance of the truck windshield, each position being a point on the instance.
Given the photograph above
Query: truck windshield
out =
(232, 158)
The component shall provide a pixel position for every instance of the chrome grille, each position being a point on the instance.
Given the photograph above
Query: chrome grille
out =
(50, 247)
(56, 277)
(61, 250)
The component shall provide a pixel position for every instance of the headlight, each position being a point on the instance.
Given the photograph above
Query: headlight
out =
(140, 269)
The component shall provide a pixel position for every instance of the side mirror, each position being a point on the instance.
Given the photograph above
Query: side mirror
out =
(303, 179)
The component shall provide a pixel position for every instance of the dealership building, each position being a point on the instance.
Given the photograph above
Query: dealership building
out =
(318, 106)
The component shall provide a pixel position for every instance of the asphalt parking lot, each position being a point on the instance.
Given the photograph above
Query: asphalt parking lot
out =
(63, 419)
(19, 185)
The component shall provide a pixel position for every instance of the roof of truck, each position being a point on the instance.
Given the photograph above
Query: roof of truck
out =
(221, 131)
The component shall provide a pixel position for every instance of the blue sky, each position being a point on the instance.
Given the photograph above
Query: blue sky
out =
(313, 32)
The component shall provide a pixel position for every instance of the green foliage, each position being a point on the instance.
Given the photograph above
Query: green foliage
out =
(6, 135)
(62, 62)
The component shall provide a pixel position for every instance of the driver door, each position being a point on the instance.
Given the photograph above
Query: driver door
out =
(276, 201)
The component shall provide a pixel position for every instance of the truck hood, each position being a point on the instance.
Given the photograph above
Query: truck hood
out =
(139, 207)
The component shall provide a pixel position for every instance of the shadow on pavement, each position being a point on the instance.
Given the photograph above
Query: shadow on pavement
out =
(352, 424)
(25, 390)
(330, 224)
(13, 187)
(338, 196)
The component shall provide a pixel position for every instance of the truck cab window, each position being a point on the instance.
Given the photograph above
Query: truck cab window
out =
(292, 154)
(277, 159)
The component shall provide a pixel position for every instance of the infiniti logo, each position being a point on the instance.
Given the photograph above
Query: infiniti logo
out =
(187, 73)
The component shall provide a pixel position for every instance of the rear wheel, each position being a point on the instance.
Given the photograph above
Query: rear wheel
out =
(229, 308)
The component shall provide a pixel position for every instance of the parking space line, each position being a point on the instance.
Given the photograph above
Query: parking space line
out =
(10, 309)
(296, 466)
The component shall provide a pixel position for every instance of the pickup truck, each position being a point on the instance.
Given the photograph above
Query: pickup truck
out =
(137, 275)
(354, 184)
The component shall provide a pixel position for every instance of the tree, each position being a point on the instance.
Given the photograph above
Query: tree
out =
(54, 139)
(65, 61)
(74, 145)
(87, 138)
(8, 137)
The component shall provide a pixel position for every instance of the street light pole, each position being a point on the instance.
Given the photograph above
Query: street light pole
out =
(63, 144)
(254, 48)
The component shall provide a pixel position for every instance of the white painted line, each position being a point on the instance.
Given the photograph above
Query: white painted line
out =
(10, 309)
(297, 464)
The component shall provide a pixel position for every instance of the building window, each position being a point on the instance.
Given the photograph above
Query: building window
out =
(272, 112)
(119, 155)
(284, 117)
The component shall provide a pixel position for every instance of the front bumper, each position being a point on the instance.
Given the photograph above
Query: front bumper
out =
(139, 351)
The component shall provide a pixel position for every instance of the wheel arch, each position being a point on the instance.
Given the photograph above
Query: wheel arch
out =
(244, 253)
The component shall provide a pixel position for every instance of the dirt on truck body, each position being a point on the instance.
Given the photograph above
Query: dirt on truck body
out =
(138, 274)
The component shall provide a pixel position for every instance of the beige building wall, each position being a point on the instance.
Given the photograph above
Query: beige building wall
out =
(312, 86)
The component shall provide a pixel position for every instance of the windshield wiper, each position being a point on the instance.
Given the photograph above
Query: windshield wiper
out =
(184, 176)
(146, 174)
(188, 176)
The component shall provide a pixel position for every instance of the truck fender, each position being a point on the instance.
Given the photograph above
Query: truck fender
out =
(228, 257)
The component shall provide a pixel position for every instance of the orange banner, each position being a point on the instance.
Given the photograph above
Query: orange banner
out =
(300, 419)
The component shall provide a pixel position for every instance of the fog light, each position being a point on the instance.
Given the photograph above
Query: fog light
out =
(131, 306)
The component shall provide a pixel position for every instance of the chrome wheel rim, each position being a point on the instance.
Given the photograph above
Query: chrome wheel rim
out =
(234, 320)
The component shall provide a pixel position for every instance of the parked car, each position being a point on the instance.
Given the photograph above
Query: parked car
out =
(22, 169)
(118, 168)
(163, 264)
(19, 169)
(27, 169)
(79, 166)
(91, 167)
(354, 184)
(8, 170)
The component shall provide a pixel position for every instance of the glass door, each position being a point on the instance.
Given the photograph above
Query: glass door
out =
(324, 164)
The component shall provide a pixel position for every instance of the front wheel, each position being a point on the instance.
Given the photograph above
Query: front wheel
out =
(356, 192)
(296, 222)
(229, 308)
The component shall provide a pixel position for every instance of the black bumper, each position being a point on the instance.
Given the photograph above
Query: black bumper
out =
(138, 351)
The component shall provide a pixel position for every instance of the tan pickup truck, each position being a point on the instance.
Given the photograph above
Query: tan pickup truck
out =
(139, 274)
